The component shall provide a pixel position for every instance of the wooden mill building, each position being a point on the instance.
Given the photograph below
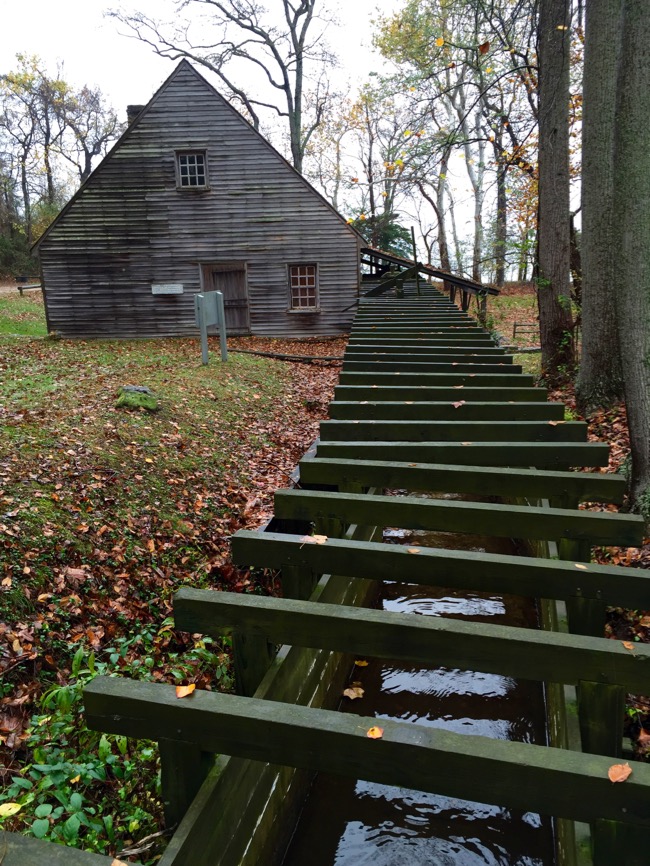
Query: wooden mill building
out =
(192, 198)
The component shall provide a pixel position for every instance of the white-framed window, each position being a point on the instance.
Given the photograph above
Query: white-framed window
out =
(191, 169)
(303, 287)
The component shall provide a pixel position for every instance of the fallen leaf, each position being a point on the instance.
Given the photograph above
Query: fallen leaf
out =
(484, 47)
(580, 565)
(466, 443)
(353, 692)
(376, 733)
(151, 546)
(361, 663)
(628, 646)
(184, 691)
(314, 539)
(619, 772)
(644, 738)
(459, 404)
(8, 809)
(458, 386)
(75, 779)
(413, 550)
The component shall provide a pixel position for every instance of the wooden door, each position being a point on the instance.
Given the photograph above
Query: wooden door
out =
(230, 278)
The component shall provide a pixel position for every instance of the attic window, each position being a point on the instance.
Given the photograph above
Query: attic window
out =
(303, 287)
(192, 169)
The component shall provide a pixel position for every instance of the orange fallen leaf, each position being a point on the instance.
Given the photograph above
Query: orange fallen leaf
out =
(184, 691)
(353, 692)
(314, 539)
(413, 550)
(376, 733)
(75, 779)
(628, 646)
(361, 663)
(619, 772)
(643, 739)
(151, 546)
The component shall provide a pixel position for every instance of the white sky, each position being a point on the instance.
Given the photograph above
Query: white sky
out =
(92, 51)
(76, 33)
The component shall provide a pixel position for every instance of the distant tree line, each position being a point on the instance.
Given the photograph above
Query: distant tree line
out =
(50, 135)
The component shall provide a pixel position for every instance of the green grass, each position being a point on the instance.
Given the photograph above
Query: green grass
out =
(22, 316)
(105, 512)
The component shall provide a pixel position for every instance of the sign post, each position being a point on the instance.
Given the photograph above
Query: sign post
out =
(209, 310)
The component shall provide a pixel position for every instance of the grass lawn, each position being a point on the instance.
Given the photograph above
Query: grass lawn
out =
(104, 513)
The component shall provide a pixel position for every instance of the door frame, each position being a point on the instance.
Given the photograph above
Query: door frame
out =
(207, 268)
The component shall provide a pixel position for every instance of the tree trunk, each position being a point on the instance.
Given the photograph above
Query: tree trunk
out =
(501, 233)
(632, 236)
(600, 381)
(555, 320)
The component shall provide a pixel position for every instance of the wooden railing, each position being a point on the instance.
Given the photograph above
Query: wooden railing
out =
(426, 402)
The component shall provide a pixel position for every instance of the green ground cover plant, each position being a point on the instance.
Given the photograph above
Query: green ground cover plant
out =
(105, 511)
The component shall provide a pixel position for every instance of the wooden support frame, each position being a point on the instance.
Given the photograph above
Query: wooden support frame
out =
(481, 518)
(484, 572)
(452, 478)
(515, 775)
(514, 652)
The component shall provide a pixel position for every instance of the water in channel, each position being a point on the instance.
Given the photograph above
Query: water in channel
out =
(347, 822)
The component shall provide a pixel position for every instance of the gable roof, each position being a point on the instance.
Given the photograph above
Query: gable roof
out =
(184, 66)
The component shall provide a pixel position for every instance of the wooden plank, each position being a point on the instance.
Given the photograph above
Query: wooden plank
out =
(436, 394)
(355, 350)
(459, 569)
(410, 410)
(522, 653)
(515, 775)
(557, 455)
(18, 850)
(581, 486)
(428, 367)
(454, 431)
(245, 812)
(475, 379)
(484, 518)
(433, 357)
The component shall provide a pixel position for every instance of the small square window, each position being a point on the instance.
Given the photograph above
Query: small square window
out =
(303, 287)
(192, 170)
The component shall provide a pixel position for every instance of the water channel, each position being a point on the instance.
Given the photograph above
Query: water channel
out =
(357, 823)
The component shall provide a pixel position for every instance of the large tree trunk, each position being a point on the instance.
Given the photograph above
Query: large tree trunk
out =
(501, 231)
(632, 236)
(600, 381)
(555, 320)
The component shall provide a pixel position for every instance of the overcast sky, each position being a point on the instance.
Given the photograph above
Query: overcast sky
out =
(92, 51)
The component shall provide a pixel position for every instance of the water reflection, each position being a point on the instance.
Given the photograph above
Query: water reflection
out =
(353, 823)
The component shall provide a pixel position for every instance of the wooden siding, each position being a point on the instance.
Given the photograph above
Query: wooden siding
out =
(130, 226)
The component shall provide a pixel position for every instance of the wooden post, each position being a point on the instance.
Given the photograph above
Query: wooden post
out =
(252, 656)
(184, 768)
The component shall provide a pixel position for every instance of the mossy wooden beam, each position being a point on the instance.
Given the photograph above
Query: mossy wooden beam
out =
(556, 455)
(423, 349)
(482, 379)
(426, 393)
(18, 850)
(454, 431)
(482, 518)
(489, 481)
(515, 652)
(455, 358)
(459, 569)
(379, 366)
(515, 775)
(467, 410)
(480, 338)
